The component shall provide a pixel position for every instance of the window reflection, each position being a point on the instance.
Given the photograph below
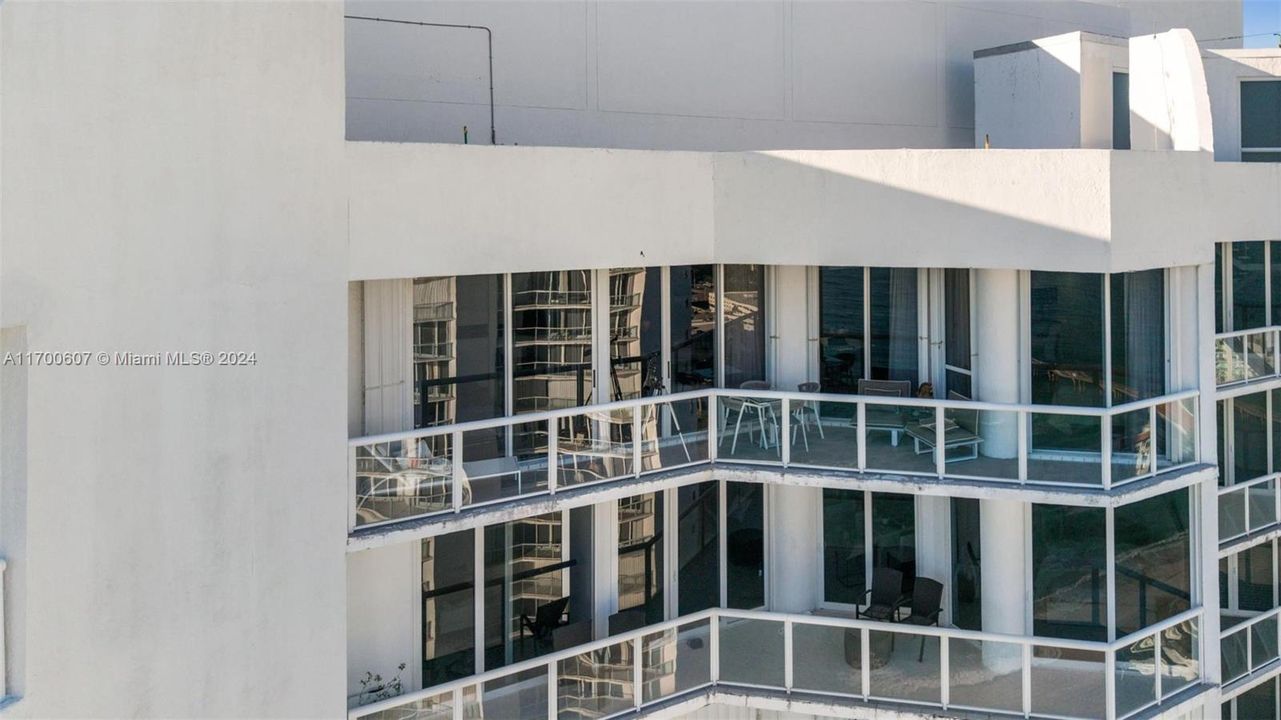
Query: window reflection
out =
(1255, 579)
(1069, 572)
(693, 289)
(840, 328)
(448, 607)
(1153, 561)
(551, 346)
(1248, 294)
(956, 332)
(635, 333)
(1067, 339)
(698, 547)
(844, 548)
(524, 571)
(640, 555)
(744, 324)
(745, 544)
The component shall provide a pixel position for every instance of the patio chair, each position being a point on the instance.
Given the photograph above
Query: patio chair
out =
(960, 430)
(802, 411)
(763, 409)
(927, 603)
(885, 597)
(547, 618)
(880, 417)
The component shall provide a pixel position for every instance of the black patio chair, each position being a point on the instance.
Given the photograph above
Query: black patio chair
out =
(927, 603)
(547, 618)
(885, 597)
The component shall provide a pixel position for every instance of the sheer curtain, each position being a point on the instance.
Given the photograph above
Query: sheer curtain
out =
(1138, 335)
(903, 351)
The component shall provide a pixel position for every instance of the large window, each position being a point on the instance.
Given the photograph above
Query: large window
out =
(957, 353)
(693, 302)
(1067, 339)
(895, 350)
(1153, 561)
(745, 545)
(698, 547)
(448, 605)
(1069, 572)
(841, 329)
(1244, 426)
(525, 570)
(640, 555)
(1261, 121)
(868, 326)
(551, 340)
(1243, 273)
(635, 332)
(844, 546)
(744, 322)
(1138, 335)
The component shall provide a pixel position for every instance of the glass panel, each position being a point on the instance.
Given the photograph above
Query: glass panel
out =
(594, 446)
(1153, 565)
(894, 535)
(640, 556)
(1258, 702)
(1138, 335)
(745, 545)
(1259, 354)
(749, 429)
(895, 354)
(1249, 437)
(1069, 577)
(1131, 445)
(698, 547)
(1255, 578)
(458, 353)
(956, 322)
(1120, 111)
(635, 332)
(1135, 676)
(986, 674)
(1261, 114)
(1221, 251)
(1229, 360)
(1068, 683)
(827, 659)
(1231, 514)
(1263, 504)
(840, 335)
(1232, 655)
(519, 695)
(693, 289)
(1261, 156)
(844, 558)
(673, 434)
(1067, 339)
(1263, 642)
(824, 433)
(744, 324)
(1065, 449)
(982, 443)
(1248, 297)
(676, 660)
(449, 607)
(1276, 282)
(1175, 433)
(551, 340)
(490, 474)
(596, 684)
(903, 666)
(433, 707)
(1180, 662)
(524, 576)
(967, 576)
(404, 478)
(900, 438)
(751, 652)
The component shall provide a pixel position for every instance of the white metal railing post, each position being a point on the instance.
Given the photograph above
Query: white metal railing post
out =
(1153, 445)
(945, 671)
(788, 662)
(637, 437)
(940, 437)
(1109, 684)
(353, 484)
(553, 690)
(865, 661)
(638, 679)
(1156, 649)
(456, 700)
(1027, 679)
(785, 442)
(713, 425)
(456, 445)
(1105, 449)
(1023, 418)
(714, 654)
(860, 415)
(553, 446)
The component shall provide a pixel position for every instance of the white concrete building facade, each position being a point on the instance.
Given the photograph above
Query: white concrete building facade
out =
(781, 359)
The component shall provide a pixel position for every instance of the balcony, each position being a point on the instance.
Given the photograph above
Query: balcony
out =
(832, 660)
(447, 469)
(1248, 645)
(1246, 356)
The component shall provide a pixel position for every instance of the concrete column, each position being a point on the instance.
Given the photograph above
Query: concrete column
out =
(1003, 565)
(791, 347)
(1002, 527)
(996, 372)
(793, 527)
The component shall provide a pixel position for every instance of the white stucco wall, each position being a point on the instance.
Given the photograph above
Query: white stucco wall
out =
(1224, 72)
(709, 76)
(172, 180)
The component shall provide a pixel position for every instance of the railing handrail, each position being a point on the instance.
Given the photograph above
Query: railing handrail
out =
(1250, 622)
(1250, 331)
(714, 615)
(1262, 479)
(708, 393)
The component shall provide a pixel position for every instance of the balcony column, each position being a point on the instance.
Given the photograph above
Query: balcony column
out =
(793, 513)
(1002, 522)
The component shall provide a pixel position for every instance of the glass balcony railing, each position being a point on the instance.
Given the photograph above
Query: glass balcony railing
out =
(1246, 355)
(852, 660)
(1249, 507)
(1247, 643)
(448, 468)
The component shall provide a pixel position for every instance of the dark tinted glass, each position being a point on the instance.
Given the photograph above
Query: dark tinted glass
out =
(1120, 111)
(844, 548)
(745, 544)
(1153, 561)
(698, 551)
(840, 335)
(1069, 572)
(635, 332)
(1261, 114)
(1248, 295)
(449, 607)
(1067, 339)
